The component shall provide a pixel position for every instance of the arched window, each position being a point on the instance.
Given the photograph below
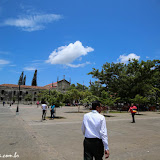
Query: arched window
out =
(2, 92)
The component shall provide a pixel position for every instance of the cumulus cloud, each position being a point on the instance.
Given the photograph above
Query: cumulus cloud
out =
(29, 69)
(67, 54)
(32, 22)
(2, 62)
(125, 59)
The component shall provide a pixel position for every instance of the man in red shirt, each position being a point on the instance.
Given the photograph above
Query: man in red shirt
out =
(133, 110)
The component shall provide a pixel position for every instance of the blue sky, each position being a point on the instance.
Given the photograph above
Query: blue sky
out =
(59, 37)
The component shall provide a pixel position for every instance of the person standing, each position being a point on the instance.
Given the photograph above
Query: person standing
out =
(95, 131)
(44, 110)
(37, 104)
(133, 110)
(52, 111)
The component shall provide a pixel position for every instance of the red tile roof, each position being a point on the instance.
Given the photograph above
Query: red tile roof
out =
(50, 85)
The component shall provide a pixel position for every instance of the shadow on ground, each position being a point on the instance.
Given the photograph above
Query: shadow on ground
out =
(140, 114)
(109, 115)
(76, 112)
(56, 117)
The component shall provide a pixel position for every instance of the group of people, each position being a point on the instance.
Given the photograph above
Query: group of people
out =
(44, 110)
(94, 130)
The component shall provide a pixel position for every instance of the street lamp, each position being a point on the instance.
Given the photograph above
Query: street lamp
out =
(17, 110)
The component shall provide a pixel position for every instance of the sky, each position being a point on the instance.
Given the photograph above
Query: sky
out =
(59, 37)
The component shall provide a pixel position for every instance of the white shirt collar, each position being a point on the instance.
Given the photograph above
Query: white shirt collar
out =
(94, 111)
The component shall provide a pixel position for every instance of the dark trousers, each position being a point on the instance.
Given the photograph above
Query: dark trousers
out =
(133, 120)
(43, 114)
(52, 114)
(93, 147)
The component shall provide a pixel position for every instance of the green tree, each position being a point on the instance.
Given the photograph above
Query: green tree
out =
(24, 80)
(89, 99)
(34, 80)
(140, 100)
(127, 80)
(28, 97)
(96, 88)
(50, 97)
(20, 79)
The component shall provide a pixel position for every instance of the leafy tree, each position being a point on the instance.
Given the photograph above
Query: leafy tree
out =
(96, 88)
(89, 99)
(127, 80)
(53, 96)
(28, 97)
(140, 100)
(72, 86)
(108, 99)
(81, 87)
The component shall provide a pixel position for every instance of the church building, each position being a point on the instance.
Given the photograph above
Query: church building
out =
(10, 92)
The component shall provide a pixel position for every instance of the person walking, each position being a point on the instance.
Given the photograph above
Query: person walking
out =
(44, 110)
(52, 110)
(37, 104)
(95, 131)
(133, 110)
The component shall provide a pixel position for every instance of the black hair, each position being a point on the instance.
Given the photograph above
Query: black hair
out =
(43, 102)
(95, 104)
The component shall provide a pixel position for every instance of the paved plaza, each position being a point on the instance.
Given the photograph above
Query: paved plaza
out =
(62, 139)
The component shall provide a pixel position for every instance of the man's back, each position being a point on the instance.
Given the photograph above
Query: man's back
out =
(95, 132)
(93, 122)
(44, 106)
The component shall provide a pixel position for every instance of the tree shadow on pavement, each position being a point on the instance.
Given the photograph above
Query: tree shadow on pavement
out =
(56, 117)
(109, 115)
(76, 112)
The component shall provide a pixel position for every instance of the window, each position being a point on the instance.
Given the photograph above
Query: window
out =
(14, 93)
(2, 92)
(20, 92)
(26, 92)
(1, 98)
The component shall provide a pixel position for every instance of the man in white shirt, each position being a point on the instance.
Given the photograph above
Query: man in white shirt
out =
(95, 132)
(44, 110)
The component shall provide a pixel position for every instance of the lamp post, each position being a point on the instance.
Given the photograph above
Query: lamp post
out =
(17, 110)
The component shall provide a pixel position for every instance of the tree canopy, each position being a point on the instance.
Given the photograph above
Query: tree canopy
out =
(128, 80)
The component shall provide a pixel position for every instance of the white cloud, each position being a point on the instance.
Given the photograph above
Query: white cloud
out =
(13, 65)
(147, 57)
(32, 22)
(67, 54)
(78, 65)
(2, 62)
(29, 69)
(125, 59)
